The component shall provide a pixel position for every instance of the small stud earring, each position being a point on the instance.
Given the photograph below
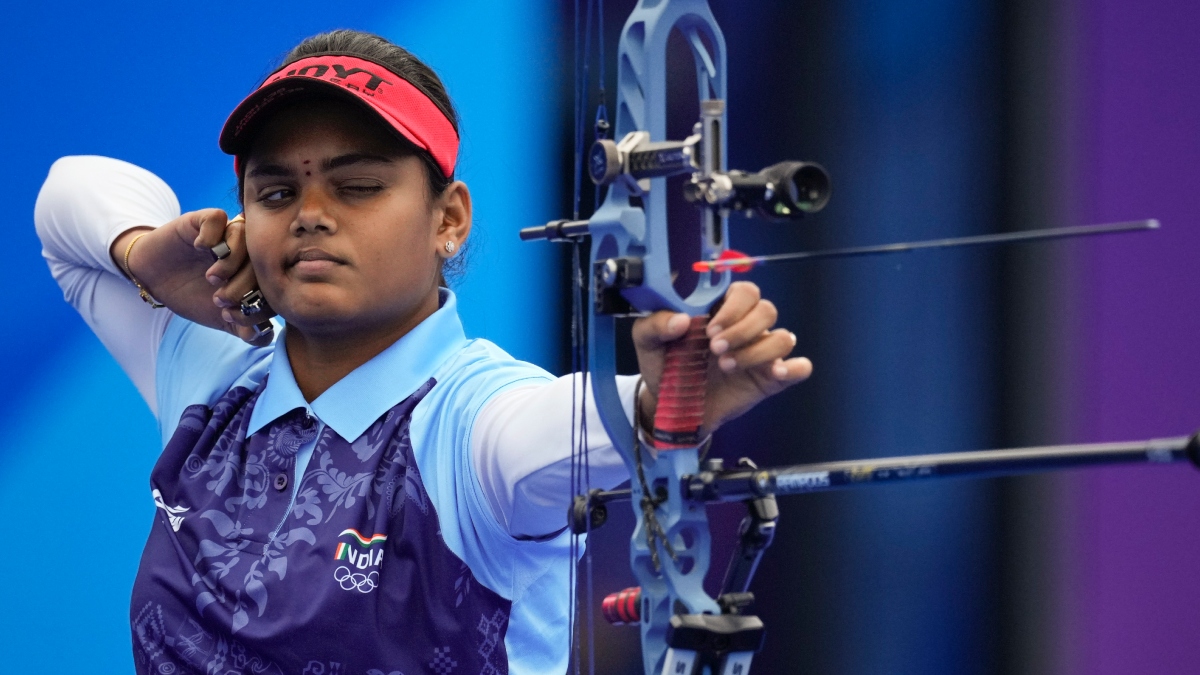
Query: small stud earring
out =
(449, 247)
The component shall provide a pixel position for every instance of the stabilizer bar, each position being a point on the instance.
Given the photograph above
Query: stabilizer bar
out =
(740, 485)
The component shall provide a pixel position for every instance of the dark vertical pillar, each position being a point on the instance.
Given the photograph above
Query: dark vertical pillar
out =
(1034, 345)
(898, 100)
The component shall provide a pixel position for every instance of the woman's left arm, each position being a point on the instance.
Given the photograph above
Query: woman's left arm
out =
(521, 441)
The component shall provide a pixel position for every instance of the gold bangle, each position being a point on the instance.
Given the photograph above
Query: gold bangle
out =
(142, 292)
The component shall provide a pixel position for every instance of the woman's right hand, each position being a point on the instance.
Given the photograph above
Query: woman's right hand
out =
(176, 264)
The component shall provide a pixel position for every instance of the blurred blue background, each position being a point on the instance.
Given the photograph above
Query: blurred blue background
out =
(935, 118)
(151, 83)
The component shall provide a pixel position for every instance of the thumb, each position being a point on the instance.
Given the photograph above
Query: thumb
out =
(659, 328)
(208, 227)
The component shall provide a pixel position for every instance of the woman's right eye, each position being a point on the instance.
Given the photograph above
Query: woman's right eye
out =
(274, 195)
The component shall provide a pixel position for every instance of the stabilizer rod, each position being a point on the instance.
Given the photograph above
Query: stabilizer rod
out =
(740, 485)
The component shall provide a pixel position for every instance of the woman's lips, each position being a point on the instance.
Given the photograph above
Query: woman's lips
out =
(314, 261)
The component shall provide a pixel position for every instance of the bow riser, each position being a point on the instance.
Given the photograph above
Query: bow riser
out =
(622, 230)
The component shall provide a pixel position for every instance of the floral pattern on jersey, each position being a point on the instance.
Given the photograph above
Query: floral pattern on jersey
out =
(223, 464)
(254, 555)
(342, 489)
(323, 668)
(194, 418)
(285, 440)
(462, 585)
(339, 488)
(414, 489)
(401, 486)
(219, 559)
(375, 437)
(307, 507)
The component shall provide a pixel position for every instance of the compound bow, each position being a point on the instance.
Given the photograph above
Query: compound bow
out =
(686, 631)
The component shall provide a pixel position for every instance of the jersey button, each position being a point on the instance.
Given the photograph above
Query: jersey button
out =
(281, 481)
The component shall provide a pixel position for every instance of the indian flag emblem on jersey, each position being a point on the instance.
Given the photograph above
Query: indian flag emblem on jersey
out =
(359, 552)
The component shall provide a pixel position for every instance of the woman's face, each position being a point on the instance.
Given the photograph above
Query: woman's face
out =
(340, 226)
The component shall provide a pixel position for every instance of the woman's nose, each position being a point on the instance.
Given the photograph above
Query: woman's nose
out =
(313, 215)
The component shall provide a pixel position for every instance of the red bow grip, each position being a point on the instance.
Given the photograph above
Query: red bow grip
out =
(680, 410)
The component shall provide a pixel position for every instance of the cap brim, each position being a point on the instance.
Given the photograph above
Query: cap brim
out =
(246, 120)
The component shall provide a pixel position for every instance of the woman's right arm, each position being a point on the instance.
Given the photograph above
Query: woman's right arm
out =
(85, 205)
(88, 214)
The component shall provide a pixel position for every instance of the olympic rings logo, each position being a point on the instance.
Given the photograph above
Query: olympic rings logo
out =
(355, 581)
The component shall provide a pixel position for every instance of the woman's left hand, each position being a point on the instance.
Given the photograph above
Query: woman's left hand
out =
(747, 355)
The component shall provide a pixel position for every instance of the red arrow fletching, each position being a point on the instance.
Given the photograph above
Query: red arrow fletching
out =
(729, 260)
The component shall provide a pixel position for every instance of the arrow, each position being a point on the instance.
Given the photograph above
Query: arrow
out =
(734, 261)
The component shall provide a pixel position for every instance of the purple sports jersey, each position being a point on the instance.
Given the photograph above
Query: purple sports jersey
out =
(346, 574)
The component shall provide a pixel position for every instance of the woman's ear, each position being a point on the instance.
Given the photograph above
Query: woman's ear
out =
(454, 204)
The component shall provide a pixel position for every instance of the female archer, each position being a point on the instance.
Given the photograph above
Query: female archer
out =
(358, 488)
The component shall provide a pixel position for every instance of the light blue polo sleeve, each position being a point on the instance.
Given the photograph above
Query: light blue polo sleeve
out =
(197, 365)
(534, 575)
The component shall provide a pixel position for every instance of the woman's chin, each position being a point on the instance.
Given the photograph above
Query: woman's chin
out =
(332, 311)
(319, 309)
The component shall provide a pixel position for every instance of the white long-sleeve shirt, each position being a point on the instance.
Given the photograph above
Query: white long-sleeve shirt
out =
(521, 441)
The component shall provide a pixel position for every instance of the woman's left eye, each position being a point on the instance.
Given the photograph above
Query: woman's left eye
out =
(361, 188)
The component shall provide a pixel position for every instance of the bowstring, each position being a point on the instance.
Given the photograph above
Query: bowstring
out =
(580, 460)
(583, 419)
(580, 483)
(572, 604)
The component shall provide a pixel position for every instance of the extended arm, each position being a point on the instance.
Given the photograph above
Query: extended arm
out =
(521, 447)
(522, 440)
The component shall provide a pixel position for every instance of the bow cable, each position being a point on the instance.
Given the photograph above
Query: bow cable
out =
(580, 462)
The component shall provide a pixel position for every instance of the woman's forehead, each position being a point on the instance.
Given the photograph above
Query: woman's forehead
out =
(323, 128)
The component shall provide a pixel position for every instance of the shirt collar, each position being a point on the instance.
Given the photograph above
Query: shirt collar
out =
(354, 403)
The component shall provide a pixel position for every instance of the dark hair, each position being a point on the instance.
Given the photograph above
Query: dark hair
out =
(401, 62)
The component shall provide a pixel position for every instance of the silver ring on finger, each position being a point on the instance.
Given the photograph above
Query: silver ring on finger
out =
(221, 251)
(262, 329)
(253, 303)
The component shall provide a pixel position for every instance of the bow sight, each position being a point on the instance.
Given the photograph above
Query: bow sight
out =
(784, 191)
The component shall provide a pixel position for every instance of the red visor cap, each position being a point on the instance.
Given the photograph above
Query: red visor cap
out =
(400, 104)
